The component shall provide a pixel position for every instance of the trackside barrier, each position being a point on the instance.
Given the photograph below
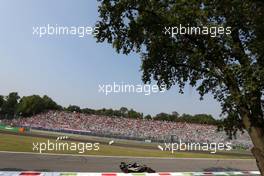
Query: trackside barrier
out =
(33, 173)
(12, 129)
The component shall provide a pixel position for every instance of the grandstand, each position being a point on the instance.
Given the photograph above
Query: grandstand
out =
(118, 127)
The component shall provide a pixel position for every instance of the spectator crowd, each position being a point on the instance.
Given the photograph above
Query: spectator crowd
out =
(131, 128)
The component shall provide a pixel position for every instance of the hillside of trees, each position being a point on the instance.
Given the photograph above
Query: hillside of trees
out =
(14, 106)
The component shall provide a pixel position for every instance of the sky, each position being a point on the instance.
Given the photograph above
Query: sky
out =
(70, 69)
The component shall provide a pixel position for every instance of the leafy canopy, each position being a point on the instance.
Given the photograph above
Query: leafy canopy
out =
(231, 67)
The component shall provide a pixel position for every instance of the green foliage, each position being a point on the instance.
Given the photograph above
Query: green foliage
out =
(231, 67)
(148, 117)
(10, 104)
(197, 118)
(49, 104)
(73, 108)
(2, 101)
(134, 114)
(30, 105)
(88, 111)
(34, 104)
(165, 116)
(228, 124)
(124, 111)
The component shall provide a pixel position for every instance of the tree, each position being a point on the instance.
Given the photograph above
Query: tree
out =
(116, 113)
(203, 119)
(133, 114)
(10, 104)
(30, 105)
(123, 111)
(231, 67)
(163, 116)
(88, 111)
(2, 101)
(49, 104)
(109, 112)
(175, 114)
(148, 117)
(197, 118)
(73, 108)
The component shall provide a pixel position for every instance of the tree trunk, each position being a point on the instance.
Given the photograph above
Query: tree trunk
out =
(257, 137)
(259, 155)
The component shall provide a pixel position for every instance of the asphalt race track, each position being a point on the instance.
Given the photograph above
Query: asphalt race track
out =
(67, 163)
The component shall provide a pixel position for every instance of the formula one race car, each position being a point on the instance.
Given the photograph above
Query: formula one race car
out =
(135, 168)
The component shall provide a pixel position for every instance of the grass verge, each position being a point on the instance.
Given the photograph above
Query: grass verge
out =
(18, 143)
